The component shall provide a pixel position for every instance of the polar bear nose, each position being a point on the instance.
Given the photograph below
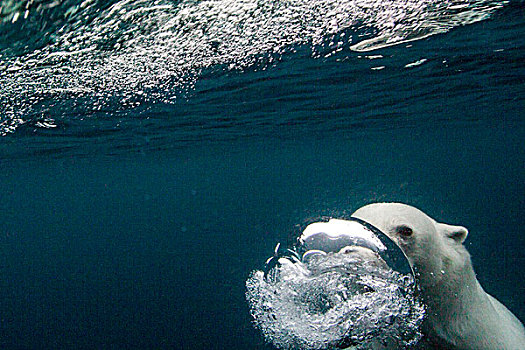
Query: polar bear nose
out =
(336, 234)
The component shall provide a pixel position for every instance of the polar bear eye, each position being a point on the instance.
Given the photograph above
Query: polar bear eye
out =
(404, 231)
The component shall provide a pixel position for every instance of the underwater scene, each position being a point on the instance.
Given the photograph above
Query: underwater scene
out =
(153, 153)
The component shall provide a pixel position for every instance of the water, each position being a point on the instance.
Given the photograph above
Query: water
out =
(148, 165)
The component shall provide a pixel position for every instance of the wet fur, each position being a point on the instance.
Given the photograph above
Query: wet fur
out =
(460, 314)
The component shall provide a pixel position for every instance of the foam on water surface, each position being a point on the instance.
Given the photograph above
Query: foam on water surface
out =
(119, 55)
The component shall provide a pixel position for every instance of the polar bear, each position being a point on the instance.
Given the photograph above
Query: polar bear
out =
(460, 314)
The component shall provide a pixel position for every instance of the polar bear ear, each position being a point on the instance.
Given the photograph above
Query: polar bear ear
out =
(457, 233)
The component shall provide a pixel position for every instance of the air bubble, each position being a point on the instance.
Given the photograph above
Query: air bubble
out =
(335, 300)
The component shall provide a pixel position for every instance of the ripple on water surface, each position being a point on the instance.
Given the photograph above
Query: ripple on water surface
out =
(110, 56)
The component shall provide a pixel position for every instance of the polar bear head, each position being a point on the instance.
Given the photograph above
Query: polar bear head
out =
(434, 250)
(460, 315)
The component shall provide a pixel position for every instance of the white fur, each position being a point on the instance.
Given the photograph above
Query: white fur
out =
(460, 314)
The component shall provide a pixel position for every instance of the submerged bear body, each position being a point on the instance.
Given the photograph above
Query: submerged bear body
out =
(460, 314)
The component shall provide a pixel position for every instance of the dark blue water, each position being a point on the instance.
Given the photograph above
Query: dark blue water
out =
(133, 207)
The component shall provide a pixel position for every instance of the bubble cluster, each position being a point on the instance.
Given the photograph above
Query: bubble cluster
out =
(335, 301)
(130, 52)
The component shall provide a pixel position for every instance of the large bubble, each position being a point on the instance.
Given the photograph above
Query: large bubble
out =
(335, 300)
